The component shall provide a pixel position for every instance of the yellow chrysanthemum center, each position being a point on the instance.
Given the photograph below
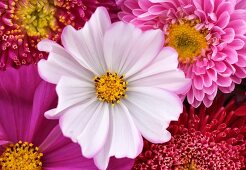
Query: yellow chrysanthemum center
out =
(36, 17)
(110, 87)
(190, 166)
(21, 156)
(187, 40)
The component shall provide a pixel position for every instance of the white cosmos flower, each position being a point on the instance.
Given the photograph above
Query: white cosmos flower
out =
(115, 84)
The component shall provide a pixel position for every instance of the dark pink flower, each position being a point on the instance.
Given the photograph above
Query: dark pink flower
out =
(203, 139)
(28, 141)
(209, 36)
(23, 23)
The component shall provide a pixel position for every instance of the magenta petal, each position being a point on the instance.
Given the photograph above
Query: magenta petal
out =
(224, 81)
(61, 152)
(237, 44)
(241, 61)
(198, 82)
(17, 88)
(223, 20)
(238, 25)
(120, 164)
(229, 35)
(227, 6)
(45, 99)
(220, 66)
(231, 57)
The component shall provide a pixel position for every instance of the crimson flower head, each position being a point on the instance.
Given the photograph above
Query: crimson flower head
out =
(203, 139)
(25, 22)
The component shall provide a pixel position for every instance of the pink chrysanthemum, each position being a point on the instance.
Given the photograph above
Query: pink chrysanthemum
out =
(25, 22)
(209, 36)
(28, 141)
(202, 139)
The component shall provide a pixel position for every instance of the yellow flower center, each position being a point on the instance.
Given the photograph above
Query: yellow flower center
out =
(21, 156)
(110, 87)
(188, 41)
(36, 17)
(189, 166)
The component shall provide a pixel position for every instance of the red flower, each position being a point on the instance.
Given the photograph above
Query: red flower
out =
(212, 138)
(25, 22)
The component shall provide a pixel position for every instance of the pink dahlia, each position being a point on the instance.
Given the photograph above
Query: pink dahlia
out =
(28, 141)
(209, 36)
(25, 22)
(202, 139)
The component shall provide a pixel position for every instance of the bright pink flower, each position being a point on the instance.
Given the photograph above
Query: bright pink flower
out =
(24, 99)
(202, 139)
(25, 22)
(209, 36)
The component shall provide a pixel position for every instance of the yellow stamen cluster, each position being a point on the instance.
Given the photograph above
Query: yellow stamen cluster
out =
(190, 166)
(36, 17)
(187, 40)
(21, 156)
(110, 87)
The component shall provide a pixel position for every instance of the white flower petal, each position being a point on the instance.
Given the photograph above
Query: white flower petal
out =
(165, 104)
(124, 139)
(52, 114)
(157, 107)
(72, 91)
(151, 126)
(163, 73)
(132, 51)
(59, 63)
(166, 60)
(173, 81)
(86, 45)
(74, 119)
(94, 134)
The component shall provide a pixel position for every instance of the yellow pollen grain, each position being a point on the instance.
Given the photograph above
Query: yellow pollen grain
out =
(110, 87)
(37, 18)
(188, 41)
(21, 156)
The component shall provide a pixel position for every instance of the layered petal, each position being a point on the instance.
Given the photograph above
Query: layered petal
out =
(124, 139)
(152, 110)
(131, 53)
(60, 63)
(86, 45)
(163, 73)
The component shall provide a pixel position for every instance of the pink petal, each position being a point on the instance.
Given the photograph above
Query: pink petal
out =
(223, 20)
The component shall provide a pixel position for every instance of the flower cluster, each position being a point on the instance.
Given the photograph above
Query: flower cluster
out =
(122, 84)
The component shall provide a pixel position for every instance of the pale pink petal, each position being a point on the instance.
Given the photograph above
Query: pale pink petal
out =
(86, 45)
(98, 125)
(124, 139)
(165, 105)
(162, 73)
(59, 63)
(132, 52)
(73, 91)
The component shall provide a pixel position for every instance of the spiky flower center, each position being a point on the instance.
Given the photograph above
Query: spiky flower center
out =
(110, 87)
(36, 17)
(187, 40)
(22, 155)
